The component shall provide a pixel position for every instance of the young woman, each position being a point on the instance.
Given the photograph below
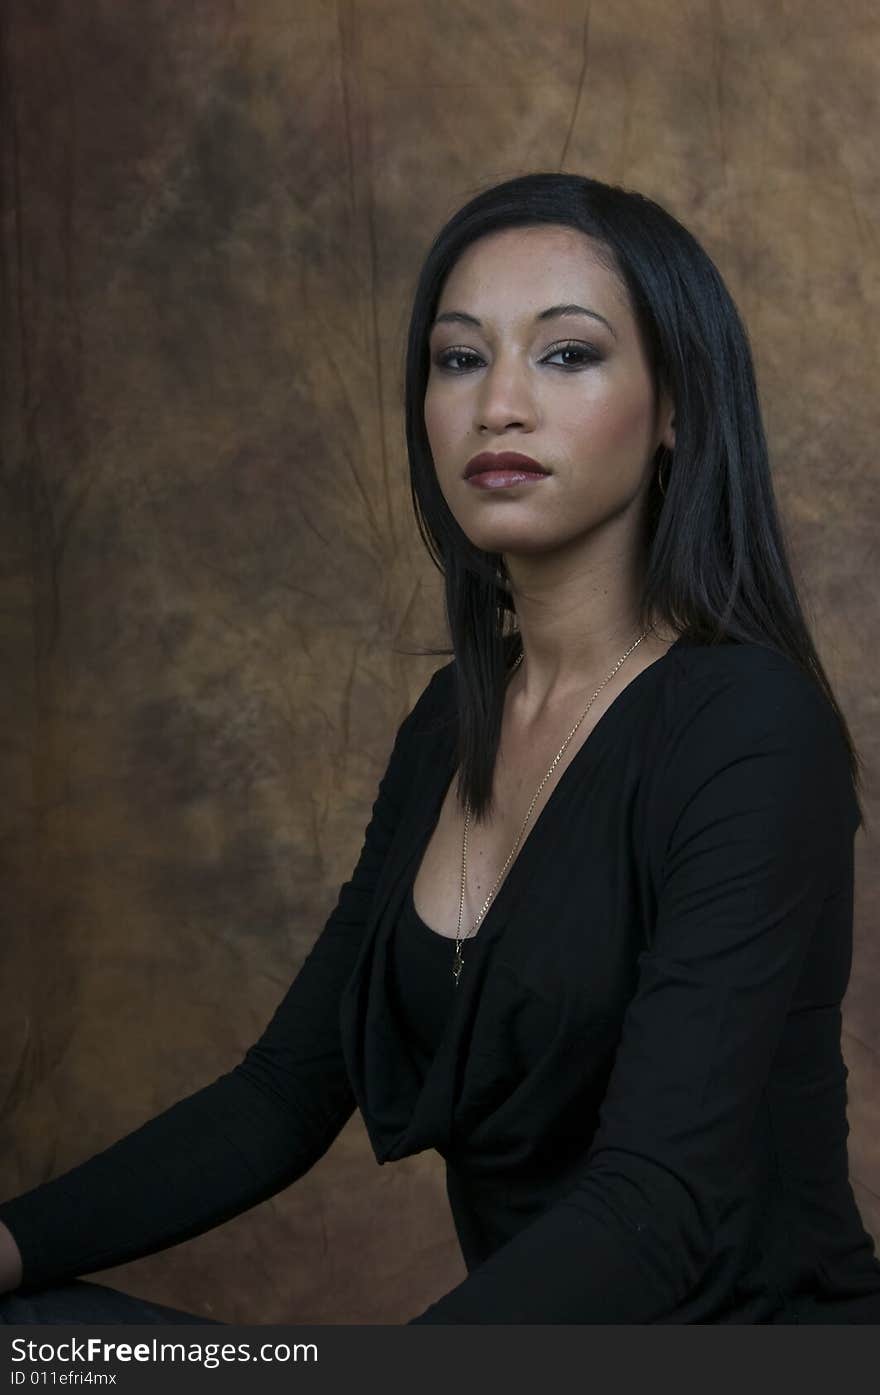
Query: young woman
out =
(596, 943)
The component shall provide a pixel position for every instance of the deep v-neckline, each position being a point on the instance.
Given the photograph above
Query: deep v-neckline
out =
(493, 915)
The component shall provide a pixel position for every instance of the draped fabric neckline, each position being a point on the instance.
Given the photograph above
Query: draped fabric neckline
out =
(569, 774)
(408, 1104)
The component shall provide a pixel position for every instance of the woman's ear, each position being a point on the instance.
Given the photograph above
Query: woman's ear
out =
(667, 417)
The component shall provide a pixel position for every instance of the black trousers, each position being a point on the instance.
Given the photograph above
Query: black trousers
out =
(87, 1302)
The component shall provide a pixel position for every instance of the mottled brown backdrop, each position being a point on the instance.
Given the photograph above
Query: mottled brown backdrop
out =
(212, 218)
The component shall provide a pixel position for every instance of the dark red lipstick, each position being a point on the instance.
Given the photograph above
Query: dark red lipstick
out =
(504, 469)
(489, 461)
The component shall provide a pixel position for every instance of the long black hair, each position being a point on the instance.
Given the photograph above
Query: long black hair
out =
(717, 566)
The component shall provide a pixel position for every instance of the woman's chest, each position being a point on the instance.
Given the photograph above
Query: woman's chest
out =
(523, 785)
(547, 976)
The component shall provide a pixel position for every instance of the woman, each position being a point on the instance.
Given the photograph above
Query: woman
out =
(601, 970)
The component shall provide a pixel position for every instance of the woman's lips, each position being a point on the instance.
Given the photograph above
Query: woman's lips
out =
(503, 460)
(499, 469)
(503, 479)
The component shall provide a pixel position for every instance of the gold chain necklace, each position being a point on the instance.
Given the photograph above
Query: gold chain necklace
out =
(457, 962)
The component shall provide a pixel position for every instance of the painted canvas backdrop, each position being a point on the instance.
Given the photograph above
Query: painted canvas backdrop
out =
(212, 220)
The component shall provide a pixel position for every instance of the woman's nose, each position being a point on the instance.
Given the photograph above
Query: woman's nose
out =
(505, 399)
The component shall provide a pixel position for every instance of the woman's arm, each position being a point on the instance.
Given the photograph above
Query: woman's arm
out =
(237, 1141)
(753, 824)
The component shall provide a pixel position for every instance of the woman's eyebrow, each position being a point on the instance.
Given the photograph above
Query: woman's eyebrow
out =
(460, 317)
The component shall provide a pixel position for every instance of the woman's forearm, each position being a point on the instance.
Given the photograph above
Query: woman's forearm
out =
(10, 1260)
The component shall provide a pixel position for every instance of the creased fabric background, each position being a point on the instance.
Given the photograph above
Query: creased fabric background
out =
(213, 215)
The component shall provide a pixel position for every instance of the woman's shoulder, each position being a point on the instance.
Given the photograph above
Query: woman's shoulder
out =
(745, 716)
(753, 672)
(730, 656)
(728, 702)
(746, 679)
(434, 708)
(748, 675)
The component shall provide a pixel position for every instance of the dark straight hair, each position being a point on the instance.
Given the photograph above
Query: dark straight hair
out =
(717, 569)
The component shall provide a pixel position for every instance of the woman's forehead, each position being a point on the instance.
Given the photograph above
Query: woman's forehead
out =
(527, 270)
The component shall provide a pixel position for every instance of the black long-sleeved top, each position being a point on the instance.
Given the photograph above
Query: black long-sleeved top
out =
(638, 1085)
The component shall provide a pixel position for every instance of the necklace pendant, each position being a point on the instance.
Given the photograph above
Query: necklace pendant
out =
(457, 964)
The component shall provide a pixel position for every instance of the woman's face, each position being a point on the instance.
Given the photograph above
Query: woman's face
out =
(571, 390)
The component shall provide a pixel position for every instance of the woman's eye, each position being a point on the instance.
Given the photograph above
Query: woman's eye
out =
(452, 359)
(577, 355)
